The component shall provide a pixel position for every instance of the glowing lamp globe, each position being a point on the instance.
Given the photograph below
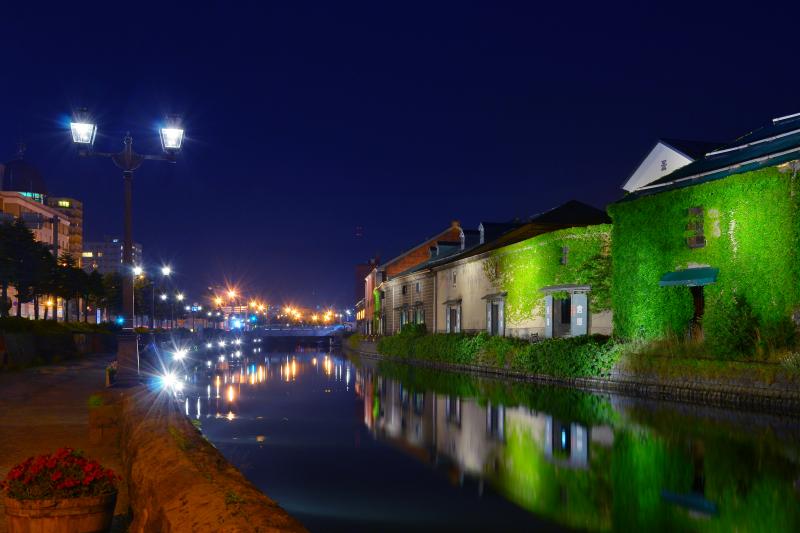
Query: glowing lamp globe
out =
(171, 139)
(83, 132)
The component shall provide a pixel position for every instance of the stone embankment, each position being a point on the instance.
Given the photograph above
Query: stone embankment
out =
(177, 481)
(742, 393)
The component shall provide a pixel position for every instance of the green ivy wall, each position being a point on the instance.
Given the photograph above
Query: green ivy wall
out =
(751, 230)
(524, 268)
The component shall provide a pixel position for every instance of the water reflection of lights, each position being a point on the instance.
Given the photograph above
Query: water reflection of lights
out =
(328, 366)
(231, 394)
(230, 415)
(314, 361)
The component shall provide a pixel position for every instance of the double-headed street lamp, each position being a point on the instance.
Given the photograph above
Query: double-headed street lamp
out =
(84, 131)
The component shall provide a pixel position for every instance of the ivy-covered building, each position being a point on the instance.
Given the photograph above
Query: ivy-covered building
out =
(548, 277)
(713, 245)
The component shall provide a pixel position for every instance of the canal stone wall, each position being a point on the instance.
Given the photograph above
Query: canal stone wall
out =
(778, 397)
(178, 481)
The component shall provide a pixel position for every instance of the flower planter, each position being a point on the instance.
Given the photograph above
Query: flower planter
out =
(71, 515)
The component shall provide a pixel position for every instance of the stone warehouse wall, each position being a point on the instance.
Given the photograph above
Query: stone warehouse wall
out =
(179, 482)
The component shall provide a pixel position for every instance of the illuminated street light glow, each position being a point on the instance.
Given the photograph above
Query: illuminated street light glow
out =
(171, 139)
(163, 297)
(169, 381)
(137, 270)
(166, 270)
(179, 355)
(83, 132)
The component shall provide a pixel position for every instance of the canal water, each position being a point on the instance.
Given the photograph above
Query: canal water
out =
(358, 445)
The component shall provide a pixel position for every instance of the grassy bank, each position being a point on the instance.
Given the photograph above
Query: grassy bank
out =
(585, 356)
(589, 356)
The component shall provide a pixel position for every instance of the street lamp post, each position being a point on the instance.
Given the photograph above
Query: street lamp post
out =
(84, 132)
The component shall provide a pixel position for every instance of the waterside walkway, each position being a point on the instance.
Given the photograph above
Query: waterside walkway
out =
(45, 408)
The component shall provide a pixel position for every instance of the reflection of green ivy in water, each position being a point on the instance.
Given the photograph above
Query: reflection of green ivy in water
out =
(574, 497)
(567, 404)
(524, 268)
(750, 483)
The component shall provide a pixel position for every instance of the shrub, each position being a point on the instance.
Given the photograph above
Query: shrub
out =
(414, 330)
(792, 363)
(63, 474)
(572, 357)
(354, 341)
(731, 328)
(584, 356)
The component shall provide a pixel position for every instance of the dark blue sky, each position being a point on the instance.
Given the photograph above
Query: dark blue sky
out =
(307, 120)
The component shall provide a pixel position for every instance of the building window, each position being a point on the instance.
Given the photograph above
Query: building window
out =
(453, 276)
(63, 203)
(419, 315)
(404, 290)
(417, 287)
(564, 255)
(695, 234)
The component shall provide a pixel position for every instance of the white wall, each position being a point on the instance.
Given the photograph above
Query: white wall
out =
(661, 161)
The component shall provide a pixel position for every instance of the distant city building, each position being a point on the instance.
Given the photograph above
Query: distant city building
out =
(20, 176)
(106, 256)
(23, 196)
(72, 209)
(48, 225)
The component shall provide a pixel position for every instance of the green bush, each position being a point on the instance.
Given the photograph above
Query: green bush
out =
(730, 328)
(51, 327)
(583, 356)
(354, 341)
(792, 363)
(414, 330)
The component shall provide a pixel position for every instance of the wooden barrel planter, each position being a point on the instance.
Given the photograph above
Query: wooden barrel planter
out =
(72, 515)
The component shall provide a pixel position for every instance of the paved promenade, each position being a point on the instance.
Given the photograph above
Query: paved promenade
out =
(45, 408)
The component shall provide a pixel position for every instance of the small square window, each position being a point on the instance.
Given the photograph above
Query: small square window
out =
(417, 287)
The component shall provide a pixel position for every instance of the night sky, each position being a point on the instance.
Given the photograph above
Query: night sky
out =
(305, 121)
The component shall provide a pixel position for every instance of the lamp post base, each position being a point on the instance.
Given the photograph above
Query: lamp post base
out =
(127, 359)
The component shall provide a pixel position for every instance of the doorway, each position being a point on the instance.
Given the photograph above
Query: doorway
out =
(495, 319)
(562, 316)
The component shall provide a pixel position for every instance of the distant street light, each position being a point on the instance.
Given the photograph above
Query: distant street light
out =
(166, 270)
(84, 131)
